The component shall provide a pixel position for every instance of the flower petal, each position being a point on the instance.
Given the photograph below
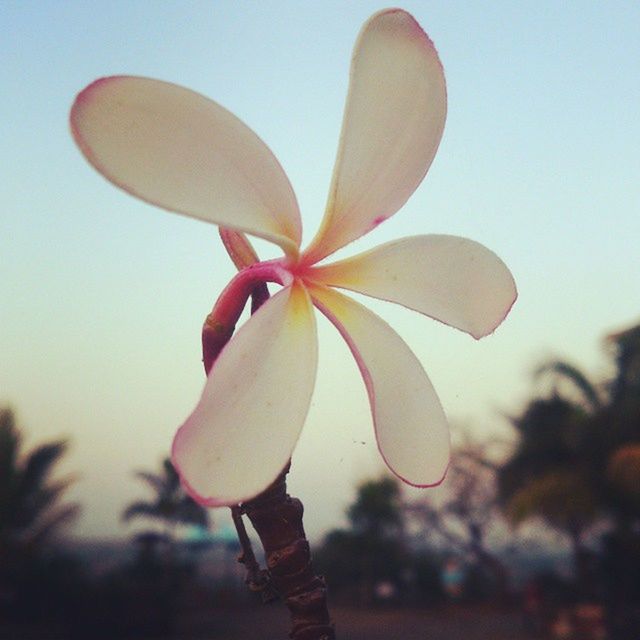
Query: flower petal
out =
(457, 281)
(245, 427)
(392, 126)
(239, 248)
(411, 428)
(181, 151)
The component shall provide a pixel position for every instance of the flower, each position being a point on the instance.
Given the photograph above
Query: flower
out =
(176, 149)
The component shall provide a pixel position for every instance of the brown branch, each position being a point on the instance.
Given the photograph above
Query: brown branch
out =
(257, 579)
(277, 519)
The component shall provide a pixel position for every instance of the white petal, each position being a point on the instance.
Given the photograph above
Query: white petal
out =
(411, 428)
(454, 280)
(181, 151)
(392, 126)
(245, 427)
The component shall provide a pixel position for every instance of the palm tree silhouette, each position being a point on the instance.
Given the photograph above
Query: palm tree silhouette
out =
(30, 509)
(577, 458)
(170, 505)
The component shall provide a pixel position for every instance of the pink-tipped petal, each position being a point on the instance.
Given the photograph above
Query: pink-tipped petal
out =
(454, 280)
(176, 149)
(393, 122)
(411, 428)
(245, 427)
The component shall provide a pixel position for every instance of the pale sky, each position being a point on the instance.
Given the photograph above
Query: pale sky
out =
(102, 297)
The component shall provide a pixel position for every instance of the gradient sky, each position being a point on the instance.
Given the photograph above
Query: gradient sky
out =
(102, 297)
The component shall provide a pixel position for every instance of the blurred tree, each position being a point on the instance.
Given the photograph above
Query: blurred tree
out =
(30, 509)
(153, 584)
(40, 583)
(377, 511)
(625, 386)
(550, 473)
(622, 418)
(464, 514)
(623, 474)
(171, 506)
(370, 557)
(377, 522)
(577, 458)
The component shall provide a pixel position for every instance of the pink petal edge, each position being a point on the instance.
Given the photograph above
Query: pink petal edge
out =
(368, 381)
(243, 409)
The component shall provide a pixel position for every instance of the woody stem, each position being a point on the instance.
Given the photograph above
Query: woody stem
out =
(277, 519)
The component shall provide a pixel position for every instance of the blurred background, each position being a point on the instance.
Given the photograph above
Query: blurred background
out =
(535, 530)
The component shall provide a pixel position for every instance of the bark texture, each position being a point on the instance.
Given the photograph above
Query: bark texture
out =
(277, 519)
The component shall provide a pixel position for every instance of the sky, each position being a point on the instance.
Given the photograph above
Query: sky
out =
(102, 297)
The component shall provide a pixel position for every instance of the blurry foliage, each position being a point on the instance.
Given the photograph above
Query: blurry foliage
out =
(30, 509)
(170, 505)
(576, 460)
(561, 498)
(624, 388)
(45, 591)
(142, 598)
(576, 464)
(623, 473)
(37, 580)
(620, 571)
(150, 589)
(31, 512)
(465, 515)
(377, 511)
(372, 552)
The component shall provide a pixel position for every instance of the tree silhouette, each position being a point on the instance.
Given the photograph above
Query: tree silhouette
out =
(550, 473)
(621, 417)
(577, 459)
(467, 511)
(30, 509)
(625, 386)
(377, 510)
(170, 505)
(372, 551)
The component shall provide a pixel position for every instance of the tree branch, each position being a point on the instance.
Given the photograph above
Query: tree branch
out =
(277, 519)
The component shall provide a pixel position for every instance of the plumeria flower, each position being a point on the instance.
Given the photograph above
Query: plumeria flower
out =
(176, 149)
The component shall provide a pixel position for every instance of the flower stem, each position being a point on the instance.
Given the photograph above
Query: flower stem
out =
(221, 322)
